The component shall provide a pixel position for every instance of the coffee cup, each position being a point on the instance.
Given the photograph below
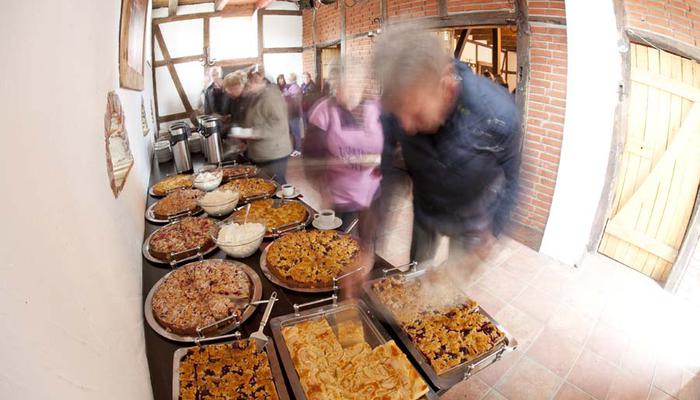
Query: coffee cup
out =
(287, 190)
(325, 217)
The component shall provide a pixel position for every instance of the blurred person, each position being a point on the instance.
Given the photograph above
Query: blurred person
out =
(281, 83)
(292, 95)
(459, 135)
(215, 98)
(309, 96)
(234, 85)
(308, 85)
(267, 115)
(342, 151)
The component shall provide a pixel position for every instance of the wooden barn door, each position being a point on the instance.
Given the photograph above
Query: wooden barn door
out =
(660, 169)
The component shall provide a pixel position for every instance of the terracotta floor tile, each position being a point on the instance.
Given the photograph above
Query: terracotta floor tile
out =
(494, 372)
(520, 325)
(626, 386)
(502, 283)
(555, 352)
(472, 389)
(656, 394)
(691, 387)
(639, 359)
(554, 280)
(571, 392)
(570, 323)
(593, 374)
(585, 299)
(536, 303)
(529, 381)
(523, 266)
(494, 395)
(488, 301)
(668, 377)
(607, 342)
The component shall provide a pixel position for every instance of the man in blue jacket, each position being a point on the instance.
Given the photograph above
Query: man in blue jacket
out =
(459, 135)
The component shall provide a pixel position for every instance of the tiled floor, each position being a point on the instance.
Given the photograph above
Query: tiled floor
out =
(601, 331)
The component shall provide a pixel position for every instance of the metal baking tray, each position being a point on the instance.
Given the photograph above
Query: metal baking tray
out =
(269, 349)
(351, 309)
(253, 174)
(199, 253)
(256, 296)
(277, 281)
(150, 189)
(277, 232)
(151, 217)
(456, 374)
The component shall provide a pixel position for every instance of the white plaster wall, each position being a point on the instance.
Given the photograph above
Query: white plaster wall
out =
(594, 72)
(70, 262)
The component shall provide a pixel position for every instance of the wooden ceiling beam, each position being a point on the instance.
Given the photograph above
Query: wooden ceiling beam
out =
(172, 8)
(164, 3)
(220, 4)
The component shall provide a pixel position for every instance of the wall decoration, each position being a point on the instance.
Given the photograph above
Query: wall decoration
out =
(144, 121)
(132, 41)
(118, 153)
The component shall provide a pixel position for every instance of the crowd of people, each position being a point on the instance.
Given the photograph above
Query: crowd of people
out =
(458, 135)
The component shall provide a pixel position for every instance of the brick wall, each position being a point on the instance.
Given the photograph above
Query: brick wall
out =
(458, 6)
(675, 19)
(544, 119)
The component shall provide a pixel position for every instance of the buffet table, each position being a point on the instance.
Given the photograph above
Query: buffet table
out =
(160, 350)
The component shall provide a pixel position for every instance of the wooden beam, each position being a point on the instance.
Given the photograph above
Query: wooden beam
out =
(164, 3)
(278, 50)
(664, 43)
(172, 8)
(173, 117)
(220, 4)
(480, 18)
(233, 62)
(173, 72)
(184, 17)
(155, 92)
(261, 44)
(205, 38)
(442, 8)
(496, 51)
(343, 33)
(688, 247)
(178, 60)
(459, 48)
(281, 12)
(238, 10)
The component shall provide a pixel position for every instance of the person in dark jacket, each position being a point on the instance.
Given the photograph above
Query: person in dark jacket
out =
(459, 135)
(215, 99)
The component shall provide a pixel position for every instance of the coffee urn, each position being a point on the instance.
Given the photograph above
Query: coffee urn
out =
(179, 135)
(200, 120)
(212, 141)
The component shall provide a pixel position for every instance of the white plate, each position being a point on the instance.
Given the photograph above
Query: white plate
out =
(296, 194)
(335, 225)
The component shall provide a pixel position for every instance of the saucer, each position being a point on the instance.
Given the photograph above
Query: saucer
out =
(296, 194)
(335, 225)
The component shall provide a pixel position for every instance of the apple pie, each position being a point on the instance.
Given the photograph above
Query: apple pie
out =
(447, 329)
(182, 239)
(286, 213)
(237, 370)
(251, 187)
(177, 202)
(329, 372)
(171, 183)
(199, 294)
(312, 258)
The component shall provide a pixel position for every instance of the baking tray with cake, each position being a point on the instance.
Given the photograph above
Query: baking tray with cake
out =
(239, 171)
(279, 215)
(177, 204)
(182, 240)
(170, 183)
(251, 189)
(341, 351)
(447, 333)
(202, 299)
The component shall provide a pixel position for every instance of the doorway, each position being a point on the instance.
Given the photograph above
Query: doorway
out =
(657, 182)
(326, 58)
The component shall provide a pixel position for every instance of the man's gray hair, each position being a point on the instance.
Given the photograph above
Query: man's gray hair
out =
(404, 57)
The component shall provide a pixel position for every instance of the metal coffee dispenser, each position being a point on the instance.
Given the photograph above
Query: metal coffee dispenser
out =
(212, 141)
(179, 135)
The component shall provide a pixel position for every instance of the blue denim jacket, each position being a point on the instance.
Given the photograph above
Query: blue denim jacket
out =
(465, 177)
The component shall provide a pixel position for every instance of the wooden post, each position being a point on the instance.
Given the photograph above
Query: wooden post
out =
(172, 8)
(459, 48)
(173, 72)
(261, 64)
(496, 51)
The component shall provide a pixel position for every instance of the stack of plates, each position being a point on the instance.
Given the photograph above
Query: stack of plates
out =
(163, 151)
(195, 142)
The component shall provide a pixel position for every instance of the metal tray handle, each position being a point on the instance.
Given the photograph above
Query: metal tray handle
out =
(294, 226)
(297, 307)
(173, 256)
(411, 268)
(200, 340)
(201, 329)
(471, 369)
(185, 213)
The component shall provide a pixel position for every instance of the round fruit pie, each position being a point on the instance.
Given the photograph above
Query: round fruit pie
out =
(182, 239)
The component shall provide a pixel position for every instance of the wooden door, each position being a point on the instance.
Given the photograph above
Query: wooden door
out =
(660, 168)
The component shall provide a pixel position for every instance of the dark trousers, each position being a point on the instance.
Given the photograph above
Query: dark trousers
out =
(425, 241)
(275, 168)
(295, 128)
